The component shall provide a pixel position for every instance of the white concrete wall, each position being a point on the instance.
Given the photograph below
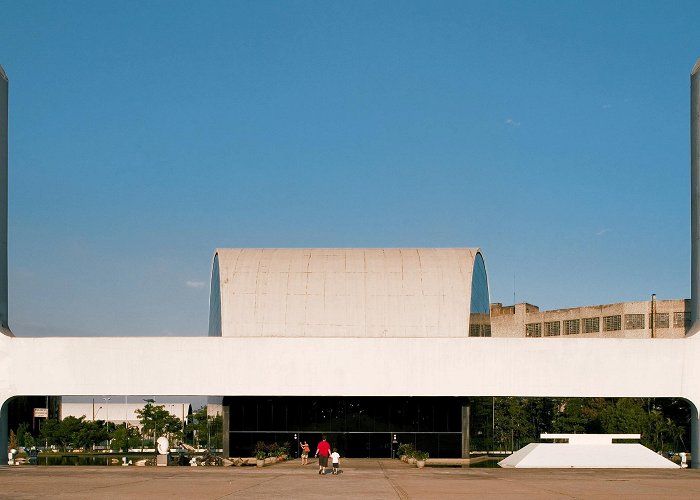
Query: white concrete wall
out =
(345, 292)
(362, 366)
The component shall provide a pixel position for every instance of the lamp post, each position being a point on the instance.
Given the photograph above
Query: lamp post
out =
(653, 314)
(106, 400)
(107, 411)
(493, 423)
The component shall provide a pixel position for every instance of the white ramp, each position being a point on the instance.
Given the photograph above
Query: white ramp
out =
(587, 451)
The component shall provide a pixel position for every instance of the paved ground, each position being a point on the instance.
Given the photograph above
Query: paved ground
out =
(362, 478)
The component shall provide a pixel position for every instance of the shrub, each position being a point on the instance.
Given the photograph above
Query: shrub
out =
(406, 449)
(420, 455)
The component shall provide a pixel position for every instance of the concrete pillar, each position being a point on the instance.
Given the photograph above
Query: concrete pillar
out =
(4, 90)
(695, 197)
(694, 437)
(225, 424)
(466, 416)
(4, 428)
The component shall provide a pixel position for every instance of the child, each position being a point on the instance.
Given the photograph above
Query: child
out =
(304, 453)
(336, 460)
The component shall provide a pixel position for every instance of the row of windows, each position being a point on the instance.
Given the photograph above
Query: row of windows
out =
(479, 330)
(610, 324)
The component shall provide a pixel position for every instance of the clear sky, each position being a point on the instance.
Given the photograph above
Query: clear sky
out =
(143, 135)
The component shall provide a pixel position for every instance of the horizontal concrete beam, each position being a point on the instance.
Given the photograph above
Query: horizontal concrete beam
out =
(350, 366)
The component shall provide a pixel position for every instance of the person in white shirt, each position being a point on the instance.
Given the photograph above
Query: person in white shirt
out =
(335, 456)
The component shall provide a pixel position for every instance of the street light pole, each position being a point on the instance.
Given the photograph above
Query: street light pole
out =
(106, 400)
(653, 314)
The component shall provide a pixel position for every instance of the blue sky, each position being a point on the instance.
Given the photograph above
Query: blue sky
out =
(143, 135)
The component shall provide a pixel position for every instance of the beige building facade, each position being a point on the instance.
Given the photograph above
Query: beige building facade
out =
(634, 320)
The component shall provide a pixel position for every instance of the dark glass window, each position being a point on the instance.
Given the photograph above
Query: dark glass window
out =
(681, 319)
(359, 426)
(612, 323)
(533, 330)
(660, 320)
(591, 325)
(572, 326)
(634, 321)
(551, 328)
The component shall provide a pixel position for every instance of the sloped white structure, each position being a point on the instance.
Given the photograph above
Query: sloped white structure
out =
(588, 451)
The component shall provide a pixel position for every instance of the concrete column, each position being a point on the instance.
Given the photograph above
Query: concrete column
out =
(4, 428)
(695, 197)
(466, 416)
(225, 424)
(694, 437)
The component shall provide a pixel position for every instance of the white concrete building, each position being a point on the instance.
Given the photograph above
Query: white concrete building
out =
(348, 294)
(410, 354)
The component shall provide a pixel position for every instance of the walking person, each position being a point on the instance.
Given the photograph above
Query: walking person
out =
(323, 451)
(335, 456)
(304, 453)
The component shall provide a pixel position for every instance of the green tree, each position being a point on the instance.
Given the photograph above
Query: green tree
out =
(206, 430)
(61, 433)
(197, 427)
(625, 415)
(157, 421)
(49, 432)
(542, 411)
(123, 438)
(577, 415)
(69, 431)
(22, 433)
(90, 433)
(29, 441)
(513, 424)
(663, 423)
(216, 432)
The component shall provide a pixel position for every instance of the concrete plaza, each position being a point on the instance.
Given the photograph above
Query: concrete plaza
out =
(361, 478)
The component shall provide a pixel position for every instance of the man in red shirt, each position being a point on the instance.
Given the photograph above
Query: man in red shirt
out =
(323, 451)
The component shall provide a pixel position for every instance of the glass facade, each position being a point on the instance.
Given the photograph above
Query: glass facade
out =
(357, 426)
(480, 308)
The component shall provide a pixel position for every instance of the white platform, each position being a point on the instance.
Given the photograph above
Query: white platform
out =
(587, 451)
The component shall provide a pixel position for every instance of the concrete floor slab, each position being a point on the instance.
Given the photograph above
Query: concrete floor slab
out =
(361, 479)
